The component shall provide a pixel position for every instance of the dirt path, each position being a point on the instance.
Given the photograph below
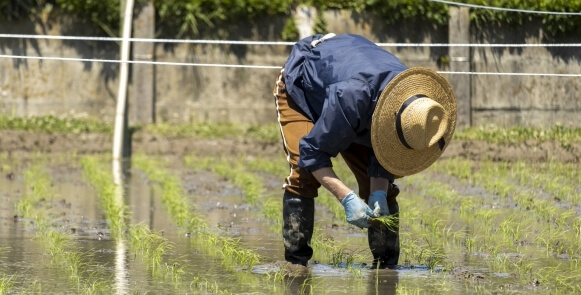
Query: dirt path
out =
(21, 141)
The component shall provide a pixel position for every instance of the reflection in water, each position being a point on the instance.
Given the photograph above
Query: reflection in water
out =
(303, 284)
(121, 276)
(382, 281)
(378, 282)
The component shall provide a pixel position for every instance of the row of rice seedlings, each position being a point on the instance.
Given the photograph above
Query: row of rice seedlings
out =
(253, 190)
(179, 208)
(110, 195)
(475, 230)
(422, 242)
(56, 243)
(558, 220)
(497, 179)
(227, 249)
(561, 182)
(231, 169)
(271, 207)
(569, 171)
(424, 233)
(337, 253)
(151, 247)
(546, 234)
(250, 184)
(477, 217)
(427, 245)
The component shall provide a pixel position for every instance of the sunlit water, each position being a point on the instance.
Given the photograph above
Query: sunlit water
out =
(78, 213)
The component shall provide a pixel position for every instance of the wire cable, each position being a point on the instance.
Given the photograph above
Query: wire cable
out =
(141, 62)
(275, 43)
(257, 66)
(506, 9)
(118, 39)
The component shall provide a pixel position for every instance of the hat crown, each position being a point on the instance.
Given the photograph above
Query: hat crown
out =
(429, 124)
(424, 122)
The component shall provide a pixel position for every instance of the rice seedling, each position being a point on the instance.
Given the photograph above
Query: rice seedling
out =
(549, 226)
(277, 167)
(250, 184)
(181, 211)
(390, 222)
(149, 246)
(109, 193)
(407, 290)
(56, 243)
(6, 284)
(202, 284)
(307, 286)
(271, 208)
(152, 247)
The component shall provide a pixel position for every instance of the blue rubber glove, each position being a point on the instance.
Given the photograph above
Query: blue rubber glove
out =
(357, 212)
(378, 202)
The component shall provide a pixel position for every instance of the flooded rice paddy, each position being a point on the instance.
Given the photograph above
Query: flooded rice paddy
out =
(211, 225)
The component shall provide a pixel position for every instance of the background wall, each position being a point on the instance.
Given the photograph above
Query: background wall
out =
(218, 94)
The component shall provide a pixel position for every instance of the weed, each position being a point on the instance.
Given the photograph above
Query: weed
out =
(6, 284)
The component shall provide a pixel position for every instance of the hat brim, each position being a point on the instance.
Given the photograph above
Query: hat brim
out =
(390, 152)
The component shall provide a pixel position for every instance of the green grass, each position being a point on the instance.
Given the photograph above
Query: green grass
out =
(269, 131)
(72, 124)
(266, 132)
(502, 135)
(54, 124)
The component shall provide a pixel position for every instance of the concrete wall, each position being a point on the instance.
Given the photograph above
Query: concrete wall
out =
(211, 94)
(525, 100)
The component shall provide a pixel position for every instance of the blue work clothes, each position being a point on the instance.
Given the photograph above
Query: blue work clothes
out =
(337, 84)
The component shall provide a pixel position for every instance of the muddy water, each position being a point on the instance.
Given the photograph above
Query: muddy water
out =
(75, 209)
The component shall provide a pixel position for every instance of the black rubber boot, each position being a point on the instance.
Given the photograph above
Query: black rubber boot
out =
(384, 240)
(297, 229)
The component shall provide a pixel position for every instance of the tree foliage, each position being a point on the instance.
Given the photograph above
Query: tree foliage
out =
(190, 16)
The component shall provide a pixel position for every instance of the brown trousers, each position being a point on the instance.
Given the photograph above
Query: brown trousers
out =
(294, 125)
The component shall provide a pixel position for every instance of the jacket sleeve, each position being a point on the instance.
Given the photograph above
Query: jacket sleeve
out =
(345, 114)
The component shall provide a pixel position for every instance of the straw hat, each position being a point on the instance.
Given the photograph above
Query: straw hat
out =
(413, 121)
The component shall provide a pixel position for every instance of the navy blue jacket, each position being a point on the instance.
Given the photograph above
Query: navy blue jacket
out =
(337, 84)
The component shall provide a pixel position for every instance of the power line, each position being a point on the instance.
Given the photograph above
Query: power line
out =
(258, 66)
(505, 9)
